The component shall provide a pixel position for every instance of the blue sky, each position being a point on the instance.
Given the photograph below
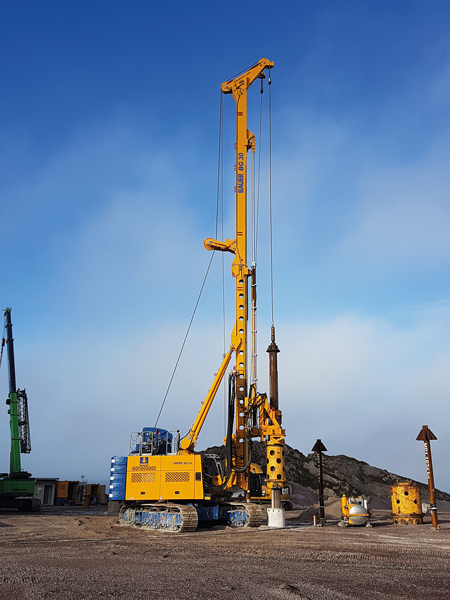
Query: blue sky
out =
(108, 173)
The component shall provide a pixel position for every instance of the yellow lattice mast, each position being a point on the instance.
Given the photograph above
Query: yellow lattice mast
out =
(255, 415)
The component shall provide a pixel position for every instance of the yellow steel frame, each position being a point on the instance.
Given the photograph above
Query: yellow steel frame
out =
(269, 419)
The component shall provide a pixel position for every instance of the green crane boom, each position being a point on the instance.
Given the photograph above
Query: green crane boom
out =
(15, 466)
(17, 487)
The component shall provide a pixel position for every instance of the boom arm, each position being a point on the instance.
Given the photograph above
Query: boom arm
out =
(188, 443)
(15, 465)
(242, 82)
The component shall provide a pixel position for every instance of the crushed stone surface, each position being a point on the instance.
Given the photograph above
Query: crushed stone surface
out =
(77, 554)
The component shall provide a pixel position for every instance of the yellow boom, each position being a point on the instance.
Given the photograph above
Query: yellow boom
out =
(269, 426)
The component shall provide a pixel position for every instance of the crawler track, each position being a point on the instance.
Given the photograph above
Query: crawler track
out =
(253, 511)
(190, 518)
(183, 518)
(173, 518)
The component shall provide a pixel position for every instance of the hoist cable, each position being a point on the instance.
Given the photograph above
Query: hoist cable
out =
(270, 191)
(240, 72)
(220, 179)
(220, 186)
(218, 194)
(185, 338)
(253, 210)
(259, 171)
(224, 339)
(229, 436)
(253, 279)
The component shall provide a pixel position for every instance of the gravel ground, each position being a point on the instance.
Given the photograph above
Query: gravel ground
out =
(77, 553)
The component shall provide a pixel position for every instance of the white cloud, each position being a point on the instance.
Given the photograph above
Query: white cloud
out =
(366, 388)
(86, 394)
(361, 385)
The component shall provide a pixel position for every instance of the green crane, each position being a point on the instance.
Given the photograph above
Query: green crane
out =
(17, 486)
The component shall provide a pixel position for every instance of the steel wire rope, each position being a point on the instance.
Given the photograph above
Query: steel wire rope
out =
(185, 338)
(223, 254)
(229, 436)
(219, 204)
(240, 72)
(220, 178)
(270, 192)
(220, 159)
(259, 171)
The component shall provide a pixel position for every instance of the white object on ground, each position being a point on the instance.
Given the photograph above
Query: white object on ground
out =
(276, 518)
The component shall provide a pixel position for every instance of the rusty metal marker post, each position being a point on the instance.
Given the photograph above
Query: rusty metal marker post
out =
(426, 435)
(319, 448)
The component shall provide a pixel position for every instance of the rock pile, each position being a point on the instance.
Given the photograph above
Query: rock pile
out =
(342, 475)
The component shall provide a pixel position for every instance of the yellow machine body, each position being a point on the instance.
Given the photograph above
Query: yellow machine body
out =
(345, 508)
(406, 504)
(286, 492)
(355, 511)
(172, 477)
(177, 477)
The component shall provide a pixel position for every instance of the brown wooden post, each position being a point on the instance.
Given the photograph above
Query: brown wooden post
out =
(426, 435)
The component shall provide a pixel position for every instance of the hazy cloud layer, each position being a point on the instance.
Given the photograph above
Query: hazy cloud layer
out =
(362, 386)
(126, 279)
(404, 213)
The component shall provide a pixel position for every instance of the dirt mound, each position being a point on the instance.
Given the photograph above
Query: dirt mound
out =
(302, 496)
(342, 475)
(349, 476)
(333, 511)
